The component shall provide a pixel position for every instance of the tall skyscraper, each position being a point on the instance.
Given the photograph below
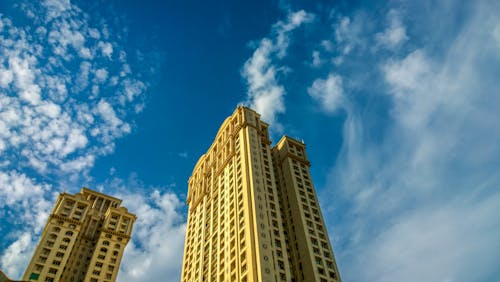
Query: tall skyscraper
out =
(253, 211)
(83, 240)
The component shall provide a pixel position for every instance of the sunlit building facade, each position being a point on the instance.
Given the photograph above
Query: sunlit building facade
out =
(253, 210)
(83, 240)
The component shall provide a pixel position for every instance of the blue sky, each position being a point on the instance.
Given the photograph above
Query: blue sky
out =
(397, 102)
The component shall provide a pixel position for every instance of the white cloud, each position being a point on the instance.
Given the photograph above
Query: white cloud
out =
(395, 34)
(76, 139)
(407, 74)
(131, 90)
(81, 163)
(158, 244)
(6, 77)
(328, 92)
(106, 48)
(28, 206)
(107, 113)
(283, 29)
(349, 34)
(17, 255)
(24, 79)
(50, 109)
(265, 94)
(94, 33)
(101, 74)
(56, 7)
(316, 58)
(342, 29)
(82, 79)
(14, 187)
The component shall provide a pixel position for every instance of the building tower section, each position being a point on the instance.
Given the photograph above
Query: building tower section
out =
(83, 240)
(237, 229)
(235, 232)
(310, 249)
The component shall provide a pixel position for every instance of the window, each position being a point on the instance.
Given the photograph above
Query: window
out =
(278, 243)
(324, 245)
(318, 260)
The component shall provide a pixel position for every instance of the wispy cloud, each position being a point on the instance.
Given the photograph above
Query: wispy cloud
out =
(183, 155)
(395, 33)
(265, 94)
(421, 199)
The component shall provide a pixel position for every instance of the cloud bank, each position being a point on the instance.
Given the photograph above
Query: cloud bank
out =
(65, 90)
(421, 198)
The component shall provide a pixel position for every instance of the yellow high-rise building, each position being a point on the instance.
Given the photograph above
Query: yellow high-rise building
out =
(83, 240)
(253, 211)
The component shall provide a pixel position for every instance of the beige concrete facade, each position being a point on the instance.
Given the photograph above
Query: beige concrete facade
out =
(253, 211)
(83, 240)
